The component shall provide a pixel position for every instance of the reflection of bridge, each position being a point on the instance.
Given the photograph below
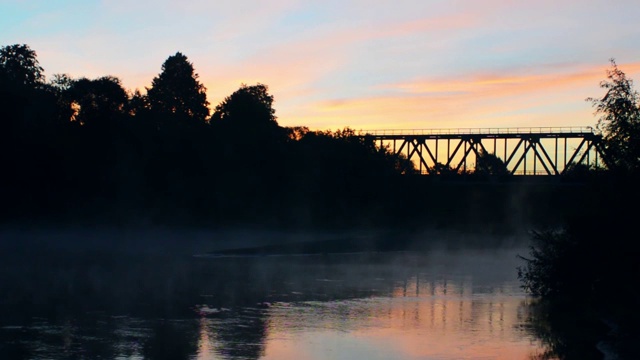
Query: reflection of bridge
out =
(525, 151)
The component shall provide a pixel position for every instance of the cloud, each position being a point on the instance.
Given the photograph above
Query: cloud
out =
(360, 63)
(477, 100)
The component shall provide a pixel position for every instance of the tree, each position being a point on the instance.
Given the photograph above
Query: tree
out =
(176, 91)
(619, 120)
(96, 101)
(26, 102)
(60, 83)
(581, 171)
(59, 87)
(442, 169)
(19, 67)
(250, 107)
(296, 133)
(547, 271)
(490, 164)
(138, 103)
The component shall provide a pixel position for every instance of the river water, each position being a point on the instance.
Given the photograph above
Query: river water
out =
(439, 301)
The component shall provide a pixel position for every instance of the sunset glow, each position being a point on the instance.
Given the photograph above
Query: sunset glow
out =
(448, 325)
(367, 65)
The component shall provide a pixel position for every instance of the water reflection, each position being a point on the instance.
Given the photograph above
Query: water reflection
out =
(572, 332)
(402, 305)
(445, 319)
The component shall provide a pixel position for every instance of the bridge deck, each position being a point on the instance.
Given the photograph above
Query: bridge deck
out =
(488, 133)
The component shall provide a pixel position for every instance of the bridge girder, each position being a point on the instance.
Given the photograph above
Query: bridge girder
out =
(530, 149)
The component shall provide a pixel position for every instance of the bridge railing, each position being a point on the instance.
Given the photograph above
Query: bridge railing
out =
(482, 131)
(517, 172)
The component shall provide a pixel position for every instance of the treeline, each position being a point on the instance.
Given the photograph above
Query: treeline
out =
(82, 149)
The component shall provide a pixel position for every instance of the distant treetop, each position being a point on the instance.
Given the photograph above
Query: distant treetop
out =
(19, 66)
(177, 91)
(249, 106)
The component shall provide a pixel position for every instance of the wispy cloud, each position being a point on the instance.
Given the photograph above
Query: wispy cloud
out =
(361, 63)
(506, 84)
(478, 100)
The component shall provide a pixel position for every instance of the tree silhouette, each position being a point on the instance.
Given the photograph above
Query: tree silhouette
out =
(176, 91)
(61, 82)
(138, 103)
(442, 169)
(249, 108)
(619, 111)
(25, 100)
(94, 102)
(239, 165)
(295, 133)
(490, 164)
(19, 67)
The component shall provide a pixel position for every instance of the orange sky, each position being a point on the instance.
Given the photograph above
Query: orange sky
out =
(432, 324)
(363, 64)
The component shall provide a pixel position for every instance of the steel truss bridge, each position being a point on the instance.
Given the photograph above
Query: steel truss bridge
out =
(524, 151)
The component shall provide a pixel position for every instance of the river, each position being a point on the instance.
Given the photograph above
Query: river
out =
(444, 299)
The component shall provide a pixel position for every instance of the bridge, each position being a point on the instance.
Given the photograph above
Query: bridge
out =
(524, 151)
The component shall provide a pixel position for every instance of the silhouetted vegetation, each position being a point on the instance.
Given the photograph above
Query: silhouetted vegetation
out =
(567, 333)
(588, 266)
(87, 150)
(79, 150)
(177, 93)
(490, 164)
(619, 120)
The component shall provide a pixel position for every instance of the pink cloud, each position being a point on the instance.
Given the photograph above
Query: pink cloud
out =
(480, 100)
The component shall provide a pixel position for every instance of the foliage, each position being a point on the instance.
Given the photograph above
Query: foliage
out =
(591, 256)
(490, 164)
(296, 133)
(442, 169)
(177, 92)
(548, 272)
(249, 107)
(568, 331)
(138, 103)
(584, 273)
(27, 103)
(619, 120)
(564, 263)
(19, 67)
(365, 151)
(96, 101)
(135, 158)
(574, 171)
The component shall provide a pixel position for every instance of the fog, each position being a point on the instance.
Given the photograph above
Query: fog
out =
(79, 290)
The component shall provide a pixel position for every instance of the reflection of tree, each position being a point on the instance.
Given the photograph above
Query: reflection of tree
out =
(172, 341)
(568, 332)
(12, 346)
(242, 335)
(148, 287)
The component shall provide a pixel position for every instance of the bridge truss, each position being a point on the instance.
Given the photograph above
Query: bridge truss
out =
(525, 151)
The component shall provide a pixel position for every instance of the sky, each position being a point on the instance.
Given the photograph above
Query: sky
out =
(402, 64)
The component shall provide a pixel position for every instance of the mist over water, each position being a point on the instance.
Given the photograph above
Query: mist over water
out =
(161, 295)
